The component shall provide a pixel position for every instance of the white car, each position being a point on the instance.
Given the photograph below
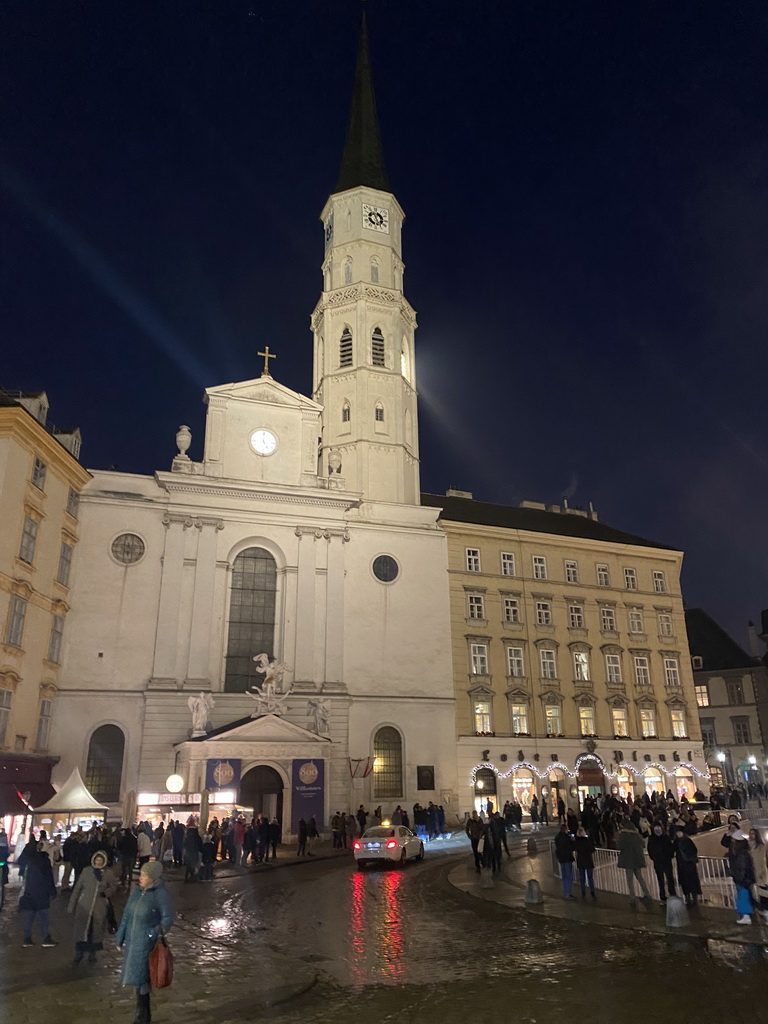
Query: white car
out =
(387, 844)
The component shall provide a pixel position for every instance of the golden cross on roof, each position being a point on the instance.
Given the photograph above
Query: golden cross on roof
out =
(267, 356)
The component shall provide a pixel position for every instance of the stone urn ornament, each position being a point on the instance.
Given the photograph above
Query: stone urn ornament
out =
(183, 441)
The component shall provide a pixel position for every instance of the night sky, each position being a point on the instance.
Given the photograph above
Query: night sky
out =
(587, 243)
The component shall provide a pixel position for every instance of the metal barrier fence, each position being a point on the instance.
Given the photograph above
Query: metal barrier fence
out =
(717, 889)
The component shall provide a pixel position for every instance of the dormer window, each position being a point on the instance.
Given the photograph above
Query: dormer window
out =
(377, 347)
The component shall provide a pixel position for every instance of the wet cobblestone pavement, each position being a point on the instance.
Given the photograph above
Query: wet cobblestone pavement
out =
(346, 945)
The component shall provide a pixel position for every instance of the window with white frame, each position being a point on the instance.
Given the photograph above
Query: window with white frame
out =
(613, 668)
(479, 658)
(553, 719)
(603, 576)
(630, 579)
(671, 672)
(28, 540)
(39, 469)
(575, 616)
(473, 559)
(548, 662)
(17, 613)
(482, 710)
(6, 698)
(73, 503)
(659, 582)
(519, 714)
(642, 670)
(580, 665)
(636, 622)
(54, 643)
(511, 609)
(708, 732)
(587, 720)
(677, 716)
(735, 691)
(65, 563)
(539, 567)
(507, 563)
(543, 613)
(665, 624)
(741, 731)
(571, 571)
(648, 722)
(608, 620)
(378, 413)
(697, 662)
(619, 717)
(515, 663)
(476, 606)
(44, 725)
(702, 695)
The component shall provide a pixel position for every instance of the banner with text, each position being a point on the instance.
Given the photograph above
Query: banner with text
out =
(308, 784)
(222, 774)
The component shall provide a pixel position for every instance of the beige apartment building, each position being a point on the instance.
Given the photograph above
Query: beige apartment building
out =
(40, 483)
(571, 663)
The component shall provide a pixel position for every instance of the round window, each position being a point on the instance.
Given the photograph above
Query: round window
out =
(385, 568)
(128, 548)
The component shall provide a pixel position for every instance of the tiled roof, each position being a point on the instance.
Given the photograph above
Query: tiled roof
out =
(713, 645)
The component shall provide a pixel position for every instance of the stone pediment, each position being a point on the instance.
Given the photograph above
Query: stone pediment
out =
(265, 391)
(265, 729)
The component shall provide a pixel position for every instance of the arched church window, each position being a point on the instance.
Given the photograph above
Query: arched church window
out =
(345, 348)
(375, 271)
(251, 617)
(387, 763)
(346, 413)
(377, 347)
(405, 367)
(347, 271)
(379, 413)
(104, 767)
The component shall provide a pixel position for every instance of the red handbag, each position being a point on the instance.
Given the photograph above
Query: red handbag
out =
(161, 964)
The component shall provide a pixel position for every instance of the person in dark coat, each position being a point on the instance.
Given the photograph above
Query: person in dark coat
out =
(661, 851)
(632, 860)
(146, 917)
(534, 813)
(192, 851)
(686, 855)
(39, 890)
(208, 857)
(178, 844)
(499, 830)
(474, 830)
(743, 874)
(262, 830)
(585, 848)
(561, 811)
(572, 821)
(564, 853)
(312, 834)
(90, 905)
(302, 837)
(275, 836)
(128, 848)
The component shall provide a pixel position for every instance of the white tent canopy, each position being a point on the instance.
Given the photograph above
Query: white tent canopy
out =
(72, 798)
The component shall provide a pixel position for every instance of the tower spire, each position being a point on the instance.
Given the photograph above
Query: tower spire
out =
(363, 159)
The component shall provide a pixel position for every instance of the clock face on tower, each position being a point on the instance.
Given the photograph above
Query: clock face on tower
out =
(263, 441)
(376, 218)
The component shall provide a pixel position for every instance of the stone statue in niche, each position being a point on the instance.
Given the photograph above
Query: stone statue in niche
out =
(334, 462)
(201, 707)
(319, 712)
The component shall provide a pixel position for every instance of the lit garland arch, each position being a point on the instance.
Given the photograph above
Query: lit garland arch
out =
(573, 772)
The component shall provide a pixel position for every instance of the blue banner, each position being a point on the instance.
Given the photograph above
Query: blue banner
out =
(222, 774)
(308, 785)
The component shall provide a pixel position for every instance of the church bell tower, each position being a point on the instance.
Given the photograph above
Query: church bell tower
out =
(363, 326)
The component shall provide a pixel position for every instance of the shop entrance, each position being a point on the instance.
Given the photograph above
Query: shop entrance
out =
(485, 791)
(261, 789)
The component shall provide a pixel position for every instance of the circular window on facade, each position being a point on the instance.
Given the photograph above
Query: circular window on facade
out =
(385, 568)
(128, 549)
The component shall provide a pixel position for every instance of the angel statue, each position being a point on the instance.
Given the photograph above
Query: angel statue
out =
(270, 698)
(319, 712)
(272, 670)
(201, 707)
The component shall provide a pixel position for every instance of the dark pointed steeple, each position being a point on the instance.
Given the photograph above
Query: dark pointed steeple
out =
(363, 159)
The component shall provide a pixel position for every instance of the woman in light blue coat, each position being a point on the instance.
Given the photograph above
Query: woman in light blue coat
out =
(147, 915)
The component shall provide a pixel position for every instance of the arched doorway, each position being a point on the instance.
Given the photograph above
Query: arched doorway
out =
(485, 790)
(261, 789)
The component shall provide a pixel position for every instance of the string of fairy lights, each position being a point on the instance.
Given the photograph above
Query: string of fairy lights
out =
(593, 759)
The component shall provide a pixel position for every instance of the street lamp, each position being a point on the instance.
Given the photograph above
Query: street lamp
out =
(479, 784)
(720, 756)
(753, 760)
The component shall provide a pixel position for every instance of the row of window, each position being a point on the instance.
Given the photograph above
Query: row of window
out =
(548, 667)
(29, 544)
(373, 268)
(39, 473)
(511, 613)
(346, 412)
(14, 630)
(571, 574)
(742, 732)
(553, 720)
(43, 721)
(734, 689)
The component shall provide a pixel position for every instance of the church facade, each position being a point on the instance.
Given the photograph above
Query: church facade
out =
(270, 624)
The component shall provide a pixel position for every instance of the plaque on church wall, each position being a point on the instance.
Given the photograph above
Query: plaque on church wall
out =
(425, 776)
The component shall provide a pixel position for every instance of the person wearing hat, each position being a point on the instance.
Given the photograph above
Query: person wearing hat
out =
(90, 905)
(147, 916)
(743, 875)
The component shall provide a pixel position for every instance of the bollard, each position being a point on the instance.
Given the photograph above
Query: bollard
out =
(533, 892)
(677, 913)
(532, 849)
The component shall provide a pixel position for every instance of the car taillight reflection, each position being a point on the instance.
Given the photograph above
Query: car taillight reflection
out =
(357, 845)
(391, 844)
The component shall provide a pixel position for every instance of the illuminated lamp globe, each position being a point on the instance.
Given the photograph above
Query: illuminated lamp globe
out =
(753, 759)
(721, 756)
(480, 784)
(174, 783)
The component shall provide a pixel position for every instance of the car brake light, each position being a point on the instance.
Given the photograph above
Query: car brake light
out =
(357, 845)
(391, 844)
